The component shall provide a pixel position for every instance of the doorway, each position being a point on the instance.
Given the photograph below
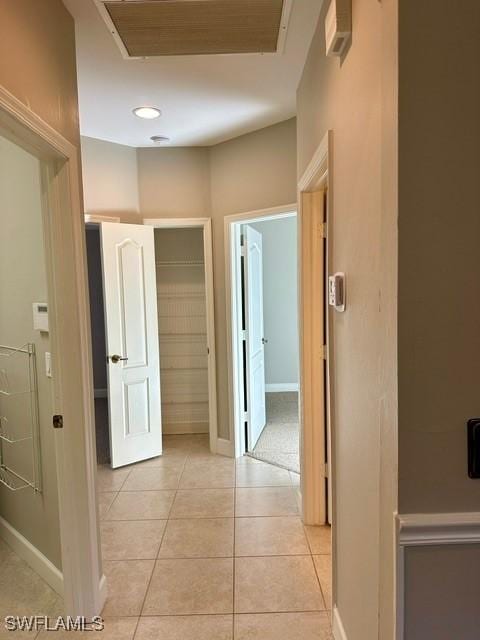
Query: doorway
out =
(30, 545)
(270, 336)
(264, 365)
(50, 545)
(167, 325)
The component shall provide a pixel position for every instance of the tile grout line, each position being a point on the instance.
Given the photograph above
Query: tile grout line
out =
(315, 566)
(102, 518)
(250, 555)
(320, 584)
(189, 457)
(158, 552)
(322, 612)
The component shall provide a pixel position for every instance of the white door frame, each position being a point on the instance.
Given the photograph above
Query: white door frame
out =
(233, 286)
(84, 586)
(206, 225)
(317, 176)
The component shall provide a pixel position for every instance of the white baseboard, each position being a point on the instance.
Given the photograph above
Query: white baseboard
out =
(100, 393)
(337, 626)
(281, 387)
(225, 448)
(182, 428)
(32, 556)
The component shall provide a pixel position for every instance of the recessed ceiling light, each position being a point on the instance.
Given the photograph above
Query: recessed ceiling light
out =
(159, 139)
(147, 113)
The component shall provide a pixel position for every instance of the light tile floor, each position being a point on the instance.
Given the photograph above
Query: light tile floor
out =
(23, 593)
(200, 547)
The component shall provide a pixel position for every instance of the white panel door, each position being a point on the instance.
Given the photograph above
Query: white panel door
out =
(130, 292)
(255, 365)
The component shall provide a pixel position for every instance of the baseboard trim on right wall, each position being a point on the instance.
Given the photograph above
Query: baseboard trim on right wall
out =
(337, 626)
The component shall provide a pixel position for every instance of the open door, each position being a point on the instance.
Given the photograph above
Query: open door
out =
(313, 353)
(255, 342)
(131, 323)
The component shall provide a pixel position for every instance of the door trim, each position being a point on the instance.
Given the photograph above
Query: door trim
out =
(83, 580)
(233, 297)
(206, 224)
(318, 175)
(95, 220)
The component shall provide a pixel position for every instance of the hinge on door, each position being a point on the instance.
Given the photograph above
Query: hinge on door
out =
(243, 334)
(327, 471)
(323, 352)
(57, 422)
(243, 250)
(322, 228)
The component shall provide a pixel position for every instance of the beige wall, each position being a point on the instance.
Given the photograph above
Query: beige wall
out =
(439, 270)
(110, 179)
(346, 96)
(255, 171)
(442, 596)
(439, 302)
(174, 183)
(252, 172)
(37, 61)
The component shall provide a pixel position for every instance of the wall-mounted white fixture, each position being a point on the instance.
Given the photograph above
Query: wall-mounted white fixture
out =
(336, 291)
(338, 26)
(48, 364)
(159, 139)
(147, 113)
(40, 316)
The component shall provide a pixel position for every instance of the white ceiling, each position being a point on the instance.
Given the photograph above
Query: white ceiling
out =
(204, 99)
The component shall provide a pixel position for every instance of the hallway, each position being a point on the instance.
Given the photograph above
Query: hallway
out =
(201, 547)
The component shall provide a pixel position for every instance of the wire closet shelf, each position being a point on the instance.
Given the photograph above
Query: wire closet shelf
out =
(19, 419)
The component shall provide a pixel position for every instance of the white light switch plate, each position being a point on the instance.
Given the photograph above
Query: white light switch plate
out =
(48, 364)
(336, 291)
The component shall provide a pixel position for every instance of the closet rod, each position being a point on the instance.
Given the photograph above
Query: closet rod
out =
(180, 263)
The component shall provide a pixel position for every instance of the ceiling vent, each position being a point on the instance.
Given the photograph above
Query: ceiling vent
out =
(149, 28)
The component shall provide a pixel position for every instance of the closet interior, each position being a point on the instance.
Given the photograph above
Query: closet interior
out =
(182, 326)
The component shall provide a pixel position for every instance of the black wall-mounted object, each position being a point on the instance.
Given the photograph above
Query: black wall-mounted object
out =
(473, 427)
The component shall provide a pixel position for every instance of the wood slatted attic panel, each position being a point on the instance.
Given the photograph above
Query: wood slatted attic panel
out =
(196, 27)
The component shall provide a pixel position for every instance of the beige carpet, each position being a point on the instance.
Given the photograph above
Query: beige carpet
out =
(279, 443)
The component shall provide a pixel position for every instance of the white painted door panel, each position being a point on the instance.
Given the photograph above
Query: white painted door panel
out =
(131, 321)
(255, 366)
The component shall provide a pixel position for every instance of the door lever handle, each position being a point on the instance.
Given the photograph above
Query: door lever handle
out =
(116, 359)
